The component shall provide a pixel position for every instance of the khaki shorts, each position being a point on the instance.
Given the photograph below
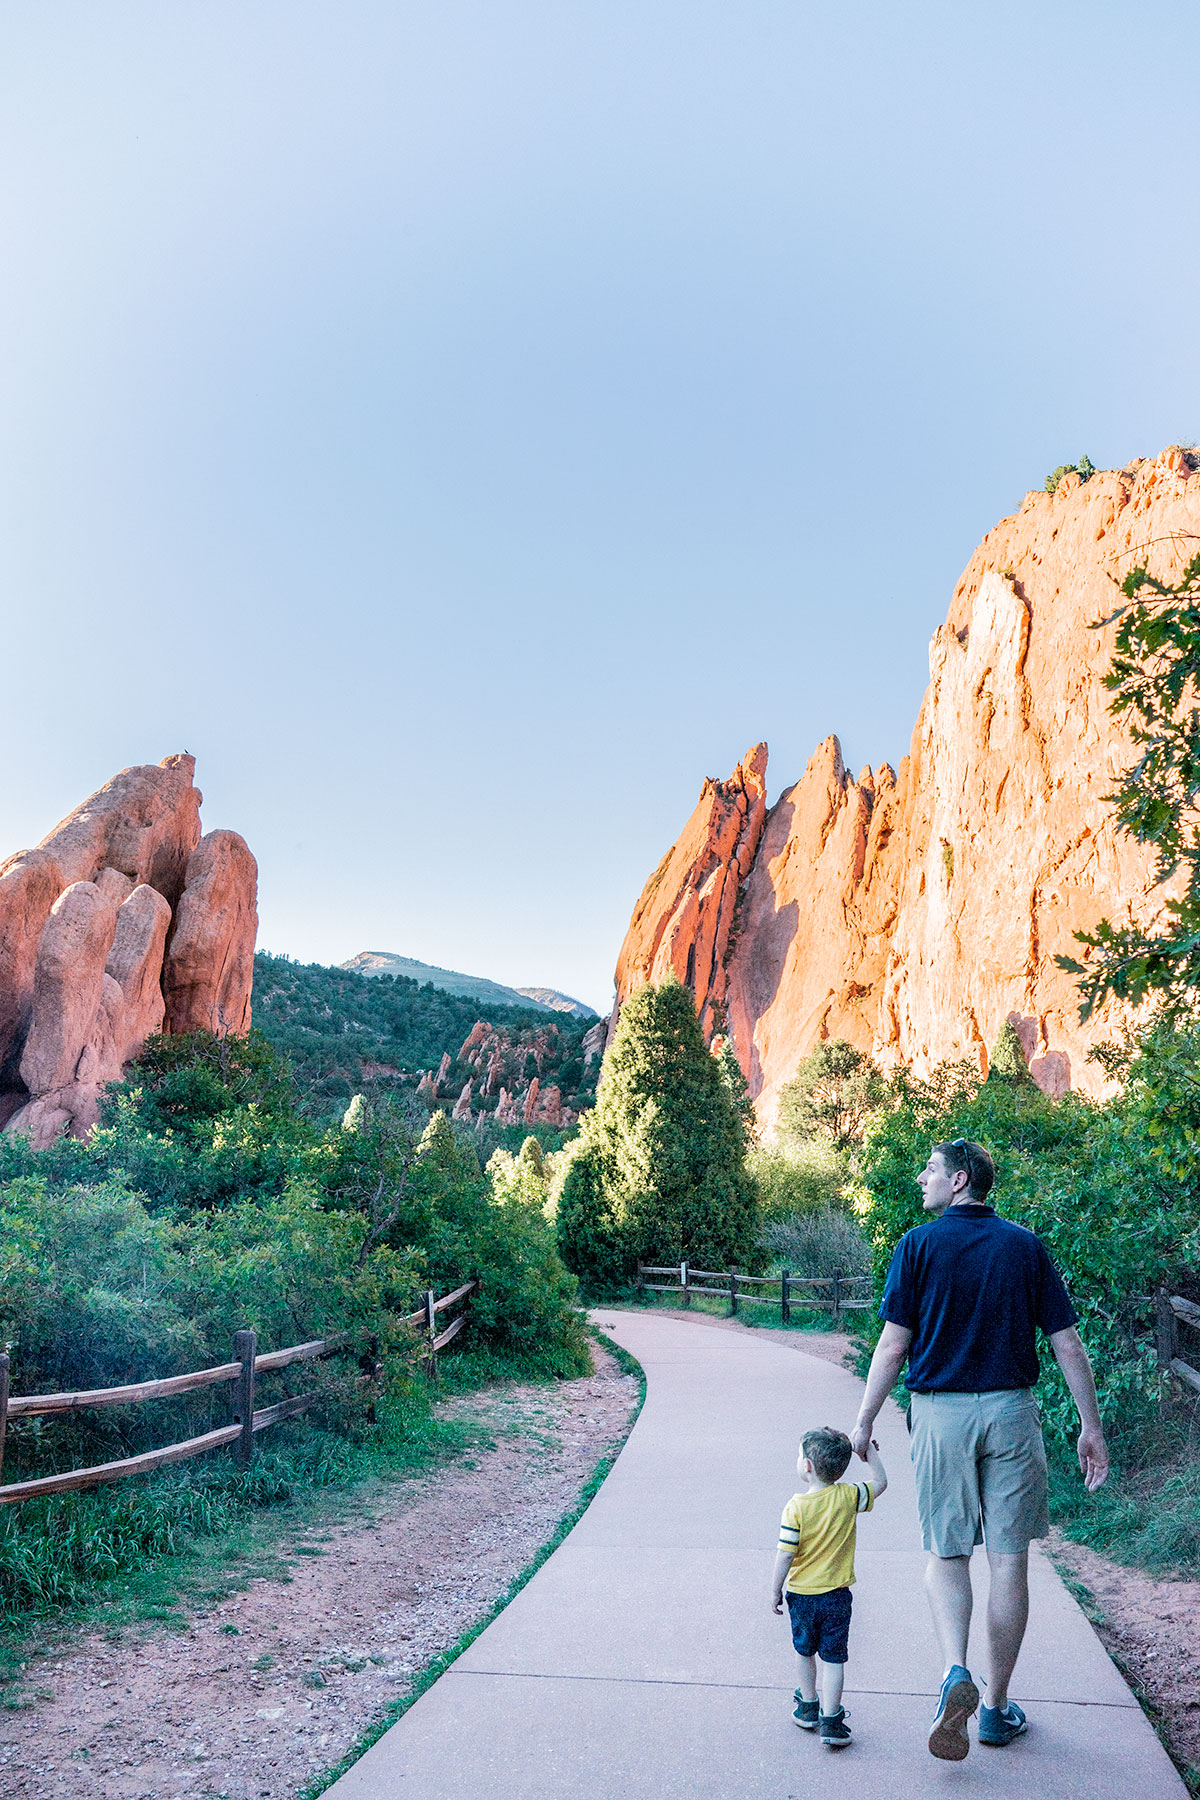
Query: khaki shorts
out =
(980, 1466)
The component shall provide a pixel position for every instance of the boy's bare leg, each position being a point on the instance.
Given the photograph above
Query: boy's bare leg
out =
(807, 1682)
(1007, 1615)
(948, 1585)
(832, 1677)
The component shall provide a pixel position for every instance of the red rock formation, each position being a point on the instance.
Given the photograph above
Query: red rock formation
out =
(682, 921)
(914, 912)
(462, 1106)
(84, 920)
(209, 969)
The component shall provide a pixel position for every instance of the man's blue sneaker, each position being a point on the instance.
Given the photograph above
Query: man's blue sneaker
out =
(807, 1713)
(1000, 1725)
(957, 1701)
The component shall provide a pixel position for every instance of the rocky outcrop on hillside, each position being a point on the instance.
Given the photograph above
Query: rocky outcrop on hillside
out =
(507, 1065)
(913, 911)
(123, 922)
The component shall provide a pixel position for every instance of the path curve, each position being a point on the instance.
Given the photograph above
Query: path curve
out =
(643, 1660)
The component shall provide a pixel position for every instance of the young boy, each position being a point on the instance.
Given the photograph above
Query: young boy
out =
(816, 1560)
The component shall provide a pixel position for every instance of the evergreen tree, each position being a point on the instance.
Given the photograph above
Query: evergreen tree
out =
(1007, 1062)
(739, 1092)
(658, 1169)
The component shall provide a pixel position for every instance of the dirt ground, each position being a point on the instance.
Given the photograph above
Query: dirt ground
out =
(1152, 1630)
(268, 1689)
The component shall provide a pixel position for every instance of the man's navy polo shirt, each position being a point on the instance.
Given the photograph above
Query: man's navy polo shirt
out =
(972, 1288)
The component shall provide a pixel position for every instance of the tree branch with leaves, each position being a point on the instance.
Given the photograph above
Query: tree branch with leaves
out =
(1153, 678)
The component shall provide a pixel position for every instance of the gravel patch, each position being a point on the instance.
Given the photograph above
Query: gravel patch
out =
(1151, 1629)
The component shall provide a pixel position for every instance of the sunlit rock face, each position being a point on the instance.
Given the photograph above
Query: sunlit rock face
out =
(122, 893)
(914, 911)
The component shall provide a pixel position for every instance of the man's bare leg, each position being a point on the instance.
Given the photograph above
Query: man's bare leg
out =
(948, 1585)
(1007, 1615)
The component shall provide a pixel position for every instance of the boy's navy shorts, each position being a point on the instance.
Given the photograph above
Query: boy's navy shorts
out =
(821, 1624)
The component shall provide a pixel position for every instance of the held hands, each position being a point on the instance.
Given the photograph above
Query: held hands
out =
(861, 1441)
(1093, 1458)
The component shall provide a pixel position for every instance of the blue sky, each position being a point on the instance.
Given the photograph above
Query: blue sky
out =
(465, 427)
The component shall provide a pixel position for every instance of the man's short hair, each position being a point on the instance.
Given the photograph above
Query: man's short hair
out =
(964, 1157)
(828, 1451)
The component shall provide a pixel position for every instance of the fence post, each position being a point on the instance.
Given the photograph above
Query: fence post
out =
(683, 1282)
(733, 1301)
(837, 1296)
(639, 1280)
(245, 1348)
(1165, 1328)
(431, 1328)
(3, 1403)
(371, 1367)
(785, 1298)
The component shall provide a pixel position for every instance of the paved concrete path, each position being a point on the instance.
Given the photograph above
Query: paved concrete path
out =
(643, 1661)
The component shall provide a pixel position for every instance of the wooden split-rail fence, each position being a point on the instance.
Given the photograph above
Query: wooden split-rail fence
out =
(244, 1372)
(1170, 1312)
(836, 1293)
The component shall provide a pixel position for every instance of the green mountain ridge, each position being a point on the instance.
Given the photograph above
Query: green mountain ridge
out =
(470, 987)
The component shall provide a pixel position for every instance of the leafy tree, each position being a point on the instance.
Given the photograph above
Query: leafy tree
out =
(833, 1094)
(658, 1170)
(1153, 679)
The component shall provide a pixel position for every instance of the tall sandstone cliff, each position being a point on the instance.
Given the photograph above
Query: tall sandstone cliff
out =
(913, 911)
(123, 922)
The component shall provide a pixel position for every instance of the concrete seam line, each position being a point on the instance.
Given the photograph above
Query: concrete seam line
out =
(760, 1687)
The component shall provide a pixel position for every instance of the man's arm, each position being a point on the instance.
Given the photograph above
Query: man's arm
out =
(1076, 1366)
(886, 1365)
(783, 1563)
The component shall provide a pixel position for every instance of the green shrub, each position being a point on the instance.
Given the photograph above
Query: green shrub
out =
(808, 1176)
(1085, 468)
(823, 1241)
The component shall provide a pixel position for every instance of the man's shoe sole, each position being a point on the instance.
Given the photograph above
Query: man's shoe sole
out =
(948, 1738)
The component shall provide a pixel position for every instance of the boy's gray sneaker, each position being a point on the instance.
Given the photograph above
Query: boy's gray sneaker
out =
(1000, 1725)
(835, 1733)
(807, 1713)
(957, 1701)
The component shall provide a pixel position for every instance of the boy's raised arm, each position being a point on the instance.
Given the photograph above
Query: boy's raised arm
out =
(878, 1472)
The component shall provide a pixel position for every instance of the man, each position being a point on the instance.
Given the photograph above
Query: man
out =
(964, 1297)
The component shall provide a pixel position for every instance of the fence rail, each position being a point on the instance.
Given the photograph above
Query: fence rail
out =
(842, 1295)
(1171, 1311)
(243, 1371)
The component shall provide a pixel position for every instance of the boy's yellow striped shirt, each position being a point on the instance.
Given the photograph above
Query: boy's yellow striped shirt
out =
(819, 1528)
